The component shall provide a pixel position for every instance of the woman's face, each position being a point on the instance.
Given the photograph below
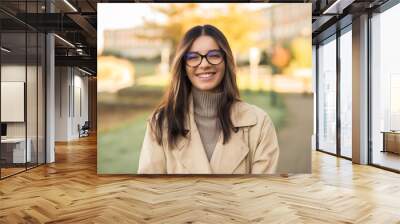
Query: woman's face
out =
(205, 73)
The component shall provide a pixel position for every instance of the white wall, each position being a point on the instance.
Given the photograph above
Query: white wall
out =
(33, 125)
(62, 82)
(14, 73)
(80, 83)
(70, 84)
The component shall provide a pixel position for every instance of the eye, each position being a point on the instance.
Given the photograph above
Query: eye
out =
(214, 54)
(191, 56)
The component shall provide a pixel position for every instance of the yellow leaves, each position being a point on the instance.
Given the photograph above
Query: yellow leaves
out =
(238, 29)
(302, 50)
(114, 73)
(280, 57)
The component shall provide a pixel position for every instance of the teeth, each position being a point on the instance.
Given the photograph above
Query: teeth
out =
(205, 75)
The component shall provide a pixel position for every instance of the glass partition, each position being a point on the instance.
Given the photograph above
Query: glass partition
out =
(385, 89)
(22, 67)
(327, 96)
(13, 105)
(346, 93)
(31, 100)
(41, 110)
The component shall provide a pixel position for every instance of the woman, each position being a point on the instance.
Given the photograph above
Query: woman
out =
(202, 126)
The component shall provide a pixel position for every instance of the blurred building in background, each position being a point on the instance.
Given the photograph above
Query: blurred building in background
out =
(128, 42)
(274, 53)
(291, 25)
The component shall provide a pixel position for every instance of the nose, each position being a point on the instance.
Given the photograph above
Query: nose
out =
(204, 63)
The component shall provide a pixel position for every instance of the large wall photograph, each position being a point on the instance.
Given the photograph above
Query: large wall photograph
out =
(196, 88)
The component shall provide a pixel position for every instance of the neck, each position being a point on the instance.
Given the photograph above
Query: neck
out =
(206, 103)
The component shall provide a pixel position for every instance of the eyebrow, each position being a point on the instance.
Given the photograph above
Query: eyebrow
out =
(206, 53)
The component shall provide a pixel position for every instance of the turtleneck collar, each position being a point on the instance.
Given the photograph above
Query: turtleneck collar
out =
(206, 103)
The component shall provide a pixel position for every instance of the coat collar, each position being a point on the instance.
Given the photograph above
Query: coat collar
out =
(242, 115)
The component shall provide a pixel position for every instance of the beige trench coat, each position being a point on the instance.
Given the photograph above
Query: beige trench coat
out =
(253, 149)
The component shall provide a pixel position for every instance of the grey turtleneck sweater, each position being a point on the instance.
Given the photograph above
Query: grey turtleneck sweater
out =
(205, 106)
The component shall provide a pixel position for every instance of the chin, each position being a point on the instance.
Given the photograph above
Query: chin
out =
(206, 87)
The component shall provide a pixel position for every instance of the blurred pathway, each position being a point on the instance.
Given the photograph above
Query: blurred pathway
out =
(295, 136)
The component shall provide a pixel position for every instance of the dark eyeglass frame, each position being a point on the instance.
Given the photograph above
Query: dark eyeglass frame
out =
(204, 56)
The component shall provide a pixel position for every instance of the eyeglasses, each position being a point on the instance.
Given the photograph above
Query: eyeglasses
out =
(213, 57)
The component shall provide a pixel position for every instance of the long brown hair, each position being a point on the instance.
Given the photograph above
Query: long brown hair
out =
(173, 110)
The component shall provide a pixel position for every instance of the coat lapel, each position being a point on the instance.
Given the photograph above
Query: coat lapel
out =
(190, 150)
(226, 158)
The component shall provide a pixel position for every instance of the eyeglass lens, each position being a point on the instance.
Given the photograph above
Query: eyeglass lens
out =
(214, 57)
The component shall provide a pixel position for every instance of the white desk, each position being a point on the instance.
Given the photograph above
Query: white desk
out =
(19, 149)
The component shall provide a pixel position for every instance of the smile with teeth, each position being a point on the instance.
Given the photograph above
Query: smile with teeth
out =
(205, 75)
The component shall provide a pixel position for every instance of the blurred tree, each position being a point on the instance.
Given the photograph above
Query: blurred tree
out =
(178, 16)
(239, 24)
(264, 59)
(302, 51)
(281, 57)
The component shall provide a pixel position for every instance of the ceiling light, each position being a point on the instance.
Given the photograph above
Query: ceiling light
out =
(70, 5)
(337, 7)
(79, 51)
(5, 49)
(64, 40)
(84, 71)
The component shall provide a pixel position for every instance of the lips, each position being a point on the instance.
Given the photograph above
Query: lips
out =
(205, 75)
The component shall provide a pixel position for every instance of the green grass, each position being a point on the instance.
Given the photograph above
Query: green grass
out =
(145, 68)
(263, 100)
(119, 148)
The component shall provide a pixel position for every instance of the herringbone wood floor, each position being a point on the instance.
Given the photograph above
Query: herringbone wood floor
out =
(69, 191)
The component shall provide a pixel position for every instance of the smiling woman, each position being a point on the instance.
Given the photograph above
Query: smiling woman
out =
(202, 126)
